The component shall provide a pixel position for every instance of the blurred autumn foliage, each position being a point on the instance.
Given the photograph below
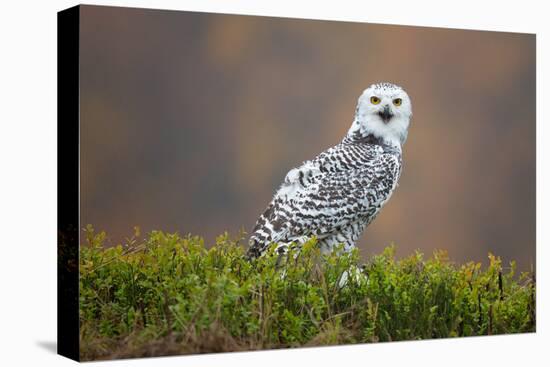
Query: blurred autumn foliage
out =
(190, 121)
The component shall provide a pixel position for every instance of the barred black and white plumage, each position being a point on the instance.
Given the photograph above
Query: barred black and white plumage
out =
(336, 195)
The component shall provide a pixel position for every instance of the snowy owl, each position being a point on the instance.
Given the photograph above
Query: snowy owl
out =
(336, 195)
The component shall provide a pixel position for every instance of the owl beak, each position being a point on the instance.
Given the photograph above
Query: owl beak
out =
(385, 114)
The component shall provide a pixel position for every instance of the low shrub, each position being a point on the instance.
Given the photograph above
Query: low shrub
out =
(166, 294)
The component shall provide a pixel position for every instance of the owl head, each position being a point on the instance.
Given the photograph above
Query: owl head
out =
(383, 110)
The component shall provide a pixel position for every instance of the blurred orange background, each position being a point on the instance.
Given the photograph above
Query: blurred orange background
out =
(190, 121)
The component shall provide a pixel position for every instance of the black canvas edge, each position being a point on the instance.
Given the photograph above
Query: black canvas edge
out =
(68, 182)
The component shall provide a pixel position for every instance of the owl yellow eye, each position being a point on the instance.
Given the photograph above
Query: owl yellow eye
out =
(374, 100)
(397, 101)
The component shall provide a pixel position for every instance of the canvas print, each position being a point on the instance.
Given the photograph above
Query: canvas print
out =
(242, 183)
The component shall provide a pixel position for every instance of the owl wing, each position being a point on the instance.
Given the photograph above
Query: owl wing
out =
(324, 195)
(341, 158)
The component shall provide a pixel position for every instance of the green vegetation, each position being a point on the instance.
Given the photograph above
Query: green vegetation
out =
(165, 294)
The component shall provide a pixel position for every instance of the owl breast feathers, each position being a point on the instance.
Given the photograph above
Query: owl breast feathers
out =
(335, 196)
(332, 197)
